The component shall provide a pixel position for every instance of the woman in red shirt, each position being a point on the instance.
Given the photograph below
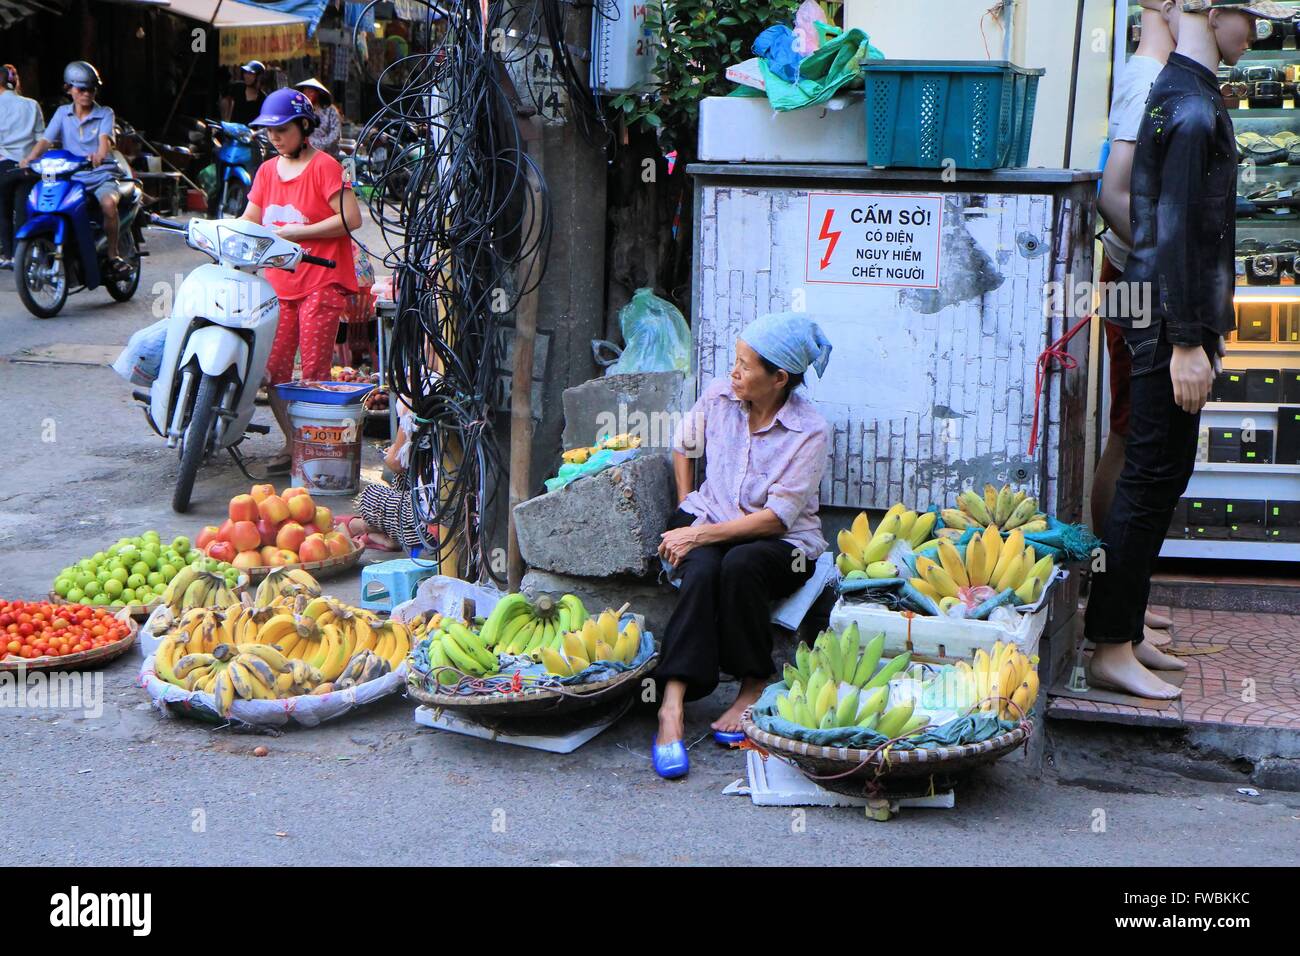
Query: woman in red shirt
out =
(302, 194)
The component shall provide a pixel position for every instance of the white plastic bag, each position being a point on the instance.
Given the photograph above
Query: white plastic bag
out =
(141, 360)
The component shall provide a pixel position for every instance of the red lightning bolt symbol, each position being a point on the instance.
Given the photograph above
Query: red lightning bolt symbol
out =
(826, 233)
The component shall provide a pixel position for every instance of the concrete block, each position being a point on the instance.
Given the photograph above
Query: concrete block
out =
(654, 601)
(643, 404)
(604, 525)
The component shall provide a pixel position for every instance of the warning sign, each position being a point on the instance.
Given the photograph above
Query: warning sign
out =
(884, 239)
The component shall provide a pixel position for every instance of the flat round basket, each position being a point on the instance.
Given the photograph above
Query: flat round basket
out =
(328, 568)
(847, 770)
(141, 612)
(527, 703)
(82, 660)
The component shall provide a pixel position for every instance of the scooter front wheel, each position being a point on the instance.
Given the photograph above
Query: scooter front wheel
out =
(41, 277)
(194, 447)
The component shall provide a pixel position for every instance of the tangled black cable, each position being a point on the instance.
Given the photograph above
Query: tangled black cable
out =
(467, 236)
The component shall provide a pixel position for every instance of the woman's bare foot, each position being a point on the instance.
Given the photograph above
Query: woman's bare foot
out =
(1154, 659)
(1158, 621)
(671, 724)
(751, 689)
(1116, 667)
(1155, 637)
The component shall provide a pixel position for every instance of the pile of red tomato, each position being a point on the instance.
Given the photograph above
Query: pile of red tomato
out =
(31, 629)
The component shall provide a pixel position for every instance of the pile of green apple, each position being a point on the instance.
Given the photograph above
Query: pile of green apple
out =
(133, 571)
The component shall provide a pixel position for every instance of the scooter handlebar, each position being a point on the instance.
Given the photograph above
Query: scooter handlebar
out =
(318, 261)
(166, 223)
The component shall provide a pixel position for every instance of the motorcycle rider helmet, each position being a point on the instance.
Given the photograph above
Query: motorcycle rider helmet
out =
(285, 106)
(256, 67)
(81, 73)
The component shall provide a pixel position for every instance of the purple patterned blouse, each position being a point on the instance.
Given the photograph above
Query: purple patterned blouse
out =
(778, 467)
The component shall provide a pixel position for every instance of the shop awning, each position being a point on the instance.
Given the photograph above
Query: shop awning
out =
(233, 15)
(247, 31)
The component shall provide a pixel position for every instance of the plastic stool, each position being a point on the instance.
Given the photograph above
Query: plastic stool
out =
(389, 583)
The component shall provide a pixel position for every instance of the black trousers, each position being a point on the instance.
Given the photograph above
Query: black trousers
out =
(1159, 456)
(723, 615)
(15, 184)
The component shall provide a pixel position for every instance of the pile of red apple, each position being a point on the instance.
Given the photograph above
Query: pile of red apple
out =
(269, 530)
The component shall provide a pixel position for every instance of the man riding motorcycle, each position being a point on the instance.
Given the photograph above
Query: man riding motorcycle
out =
(85, 128)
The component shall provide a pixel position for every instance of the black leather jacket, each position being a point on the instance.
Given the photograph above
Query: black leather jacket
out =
(1183, 206)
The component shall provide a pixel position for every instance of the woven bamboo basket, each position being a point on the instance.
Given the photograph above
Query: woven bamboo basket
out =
(330, 567)
(850, 771)
(531, 702)
(79, 661)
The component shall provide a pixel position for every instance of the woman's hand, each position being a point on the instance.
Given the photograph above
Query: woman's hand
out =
(293, 232)
(678, 543)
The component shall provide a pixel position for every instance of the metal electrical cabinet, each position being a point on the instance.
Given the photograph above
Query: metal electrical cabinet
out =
(934, 290)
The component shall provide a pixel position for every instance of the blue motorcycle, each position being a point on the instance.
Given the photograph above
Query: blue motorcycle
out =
(237, 152)
(62, 248)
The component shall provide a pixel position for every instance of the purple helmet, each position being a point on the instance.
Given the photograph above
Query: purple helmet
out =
(284, 106)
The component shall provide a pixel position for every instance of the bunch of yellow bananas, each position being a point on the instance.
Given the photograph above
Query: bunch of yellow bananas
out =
(285, 583)
(1004, 682)
(195, 587)
(836, 683)
(597, 640)
(863, 552)
(990, 566)
(1000, 507)
(520, 626)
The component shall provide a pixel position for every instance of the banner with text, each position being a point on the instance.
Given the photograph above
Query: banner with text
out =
(273, 44)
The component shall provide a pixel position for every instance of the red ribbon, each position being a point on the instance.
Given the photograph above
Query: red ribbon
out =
(1067, 362)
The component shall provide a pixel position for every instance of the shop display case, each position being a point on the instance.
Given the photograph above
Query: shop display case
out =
(1248, 449)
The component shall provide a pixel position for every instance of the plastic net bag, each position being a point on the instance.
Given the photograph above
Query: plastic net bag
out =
(142, 358)
(656, 336)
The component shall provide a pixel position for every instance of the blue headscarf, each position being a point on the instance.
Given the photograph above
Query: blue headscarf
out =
(790, 341)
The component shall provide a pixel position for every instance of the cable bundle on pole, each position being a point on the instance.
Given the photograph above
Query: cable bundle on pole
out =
(466, 237)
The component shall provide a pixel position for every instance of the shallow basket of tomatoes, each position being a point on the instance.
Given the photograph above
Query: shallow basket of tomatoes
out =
(42, 635)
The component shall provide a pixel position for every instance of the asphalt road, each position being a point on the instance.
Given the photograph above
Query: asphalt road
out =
(130, 787)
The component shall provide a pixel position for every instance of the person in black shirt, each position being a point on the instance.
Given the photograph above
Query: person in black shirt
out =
(1183, 218)
(243, 102)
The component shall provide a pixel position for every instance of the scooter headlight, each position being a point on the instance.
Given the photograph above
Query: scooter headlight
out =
(241, 249)
(50, 168)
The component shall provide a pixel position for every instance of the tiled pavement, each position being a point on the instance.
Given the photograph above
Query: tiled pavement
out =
(1263, 648)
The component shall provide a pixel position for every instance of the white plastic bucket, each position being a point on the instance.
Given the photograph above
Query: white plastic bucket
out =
(326, 447)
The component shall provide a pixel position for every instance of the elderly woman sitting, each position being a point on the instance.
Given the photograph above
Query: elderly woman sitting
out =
(750, 534)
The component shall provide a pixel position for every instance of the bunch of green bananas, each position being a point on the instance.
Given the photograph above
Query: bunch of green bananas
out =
(456, 651)
(837, 683)
(1002, 508)
(520, 626)
(196, 587)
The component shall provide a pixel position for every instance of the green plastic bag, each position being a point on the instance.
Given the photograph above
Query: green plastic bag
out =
(837, 63)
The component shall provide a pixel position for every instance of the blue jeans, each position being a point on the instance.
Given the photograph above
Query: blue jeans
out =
(1159, 455)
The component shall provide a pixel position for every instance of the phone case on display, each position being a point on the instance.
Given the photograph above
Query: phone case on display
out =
(1288, 435)
(1258, 451)
(1204, 511)
(1263, 385)
(1266, 95)
(1282, 514)
(1247, 532)
(1229, 386)
(1213, 532)
(1255, 322)
(1282, 535)
(1225, 445)
(1291, 385)
(1243, 511)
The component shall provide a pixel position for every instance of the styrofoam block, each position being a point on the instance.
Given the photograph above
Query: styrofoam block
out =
(743, 129)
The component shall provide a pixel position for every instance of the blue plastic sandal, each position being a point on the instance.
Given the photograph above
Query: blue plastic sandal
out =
(727, 737)
(670, 760)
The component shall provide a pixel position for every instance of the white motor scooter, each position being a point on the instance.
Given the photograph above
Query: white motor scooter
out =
(219, 339)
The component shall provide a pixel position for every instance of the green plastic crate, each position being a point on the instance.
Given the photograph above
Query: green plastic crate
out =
(921, 113)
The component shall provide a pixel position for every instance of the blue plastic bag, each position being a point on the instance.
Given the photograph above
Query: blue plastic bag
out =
(655, 334)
